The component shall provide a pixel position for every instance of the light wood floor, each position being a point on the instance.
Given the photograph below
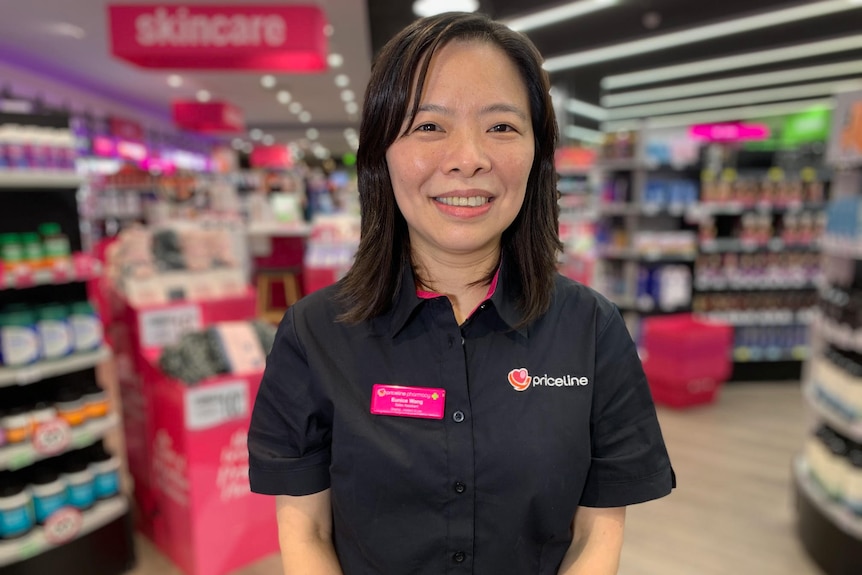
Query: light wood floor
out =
(732, 513)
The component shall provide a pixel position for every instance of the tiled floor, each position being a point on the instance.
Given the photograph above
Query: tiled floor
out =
(732, 513)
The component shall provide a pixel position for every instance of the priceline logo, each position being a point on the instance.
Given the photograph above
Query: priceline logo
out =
(521, 380)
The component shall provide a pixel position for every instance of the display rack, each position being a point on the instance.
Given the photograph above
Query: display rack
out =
(829, 515)
(86, 537)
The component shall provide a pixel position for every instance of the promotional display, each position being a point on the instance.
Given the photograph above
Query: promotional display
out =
(208, 117)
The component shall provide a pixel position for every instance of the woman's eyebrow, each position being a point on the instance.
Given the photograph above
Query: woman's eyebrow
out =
(489, 109)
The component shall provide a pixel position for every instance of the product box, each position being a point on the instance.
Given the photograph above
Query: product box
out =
(685, 360)
(205, 517)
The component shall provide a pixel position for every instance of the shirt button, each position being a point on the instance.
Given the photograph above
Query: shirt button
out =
(459, 556)
(460, 487)
(458, 416)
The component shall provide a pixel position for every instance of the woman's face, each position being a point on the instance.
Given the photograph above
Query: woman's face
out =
(460, 172)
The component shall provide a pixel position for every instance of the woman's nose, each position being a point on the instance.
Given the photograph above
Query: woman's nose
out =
(466, 154)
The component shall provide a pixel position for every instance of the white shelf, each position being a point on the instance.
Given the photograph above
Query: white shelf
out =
(838, 334)
(702, 285)
(43, 370)
(83, 268)
(767, 354)
(36, 543)
(841, 516)
(621, 164)
(850, 428)
(733, 245)
(842, 247)
(759, 318)
(24, 179)
(14, 457)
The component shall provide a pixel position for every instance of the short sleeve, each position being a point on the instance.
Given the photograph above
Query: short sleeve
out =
(290, 433)
(629, 463)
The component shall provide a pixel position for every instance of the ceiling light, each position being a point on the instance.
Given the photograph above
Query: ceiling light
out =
(255, 134)
(351, 107)
(305, 117)
(283, 96)
(312, 134)
(702, 67)
(335, 60)
(267, 140)
(347, 96)
(237, 144)
(725, 100)
(295, 108)
(726, 115)
(342, 81)
(557, 14)
(175, 81)
(730, 84)
(433, 7)
(584, 134)
(328, 30)
(268, 81)
(349, 133)
(320, 152)
(248, 148)
(67, 29)
(586, 109)
(204, 96)
(697, 34)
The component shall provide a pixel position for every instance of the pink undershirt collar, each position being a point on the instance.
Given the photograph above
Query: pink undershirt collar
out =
(491, 289)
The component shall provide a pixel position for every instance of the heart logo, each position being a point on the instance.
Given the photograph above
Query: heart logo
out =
(520, 379)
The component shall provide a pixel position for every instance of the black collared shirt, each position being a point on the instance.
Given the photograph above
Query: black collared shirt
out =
(492, 487)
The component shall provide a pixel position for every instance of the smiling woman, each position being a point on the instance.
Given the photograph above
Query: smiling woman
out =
(372, 425)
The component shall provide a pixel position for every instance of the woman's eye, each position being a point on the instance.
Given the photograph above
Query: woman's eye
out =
(426, 128)
(502, 128)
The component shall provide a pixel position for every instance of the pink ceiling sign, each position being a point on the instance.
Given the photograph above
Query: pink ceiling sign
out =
(729, 132)
(244, 37)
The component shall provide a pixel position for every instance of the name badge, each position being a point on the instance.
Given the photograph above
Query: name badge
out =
(402, 401)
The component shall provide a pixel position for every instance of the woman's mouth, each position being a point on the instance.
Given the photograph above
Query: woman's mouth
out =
(472, 201)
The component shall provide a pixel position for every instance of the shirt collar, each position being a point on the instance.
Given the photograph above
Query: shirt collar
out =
(407, 301)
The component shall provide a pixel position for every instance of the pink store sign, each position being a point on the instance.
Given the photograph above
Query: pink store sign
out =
(729, 132)
(243, 37)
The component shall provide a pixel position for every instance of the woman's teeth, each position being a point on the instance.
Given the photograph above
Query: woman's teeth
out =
(473, 201)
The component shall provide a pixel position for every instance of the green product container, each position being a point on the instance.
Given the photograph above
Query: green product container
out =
(55, 332)
(32, 247)
(54, 241)
(19, 340)
(87, 333)
(11, 249)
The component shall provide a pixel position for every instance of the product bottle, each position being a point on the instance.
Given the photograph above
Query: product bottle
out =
(96, 402)
(106, 472)
(31, 247)
(80, 487)
(49, 491)
(16, 425)
(11, 251)
(70, 406)
(16, 510)
(86, 327)
(19, 339)
(55, 243)
(55, 332)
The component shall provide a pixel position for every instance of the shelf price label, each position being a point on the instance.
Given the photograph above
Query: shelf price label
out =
(52, 437)
(211, 406)
(163, 327)
(21, 459)
(728, 175)
(775, 174)
(808, 175)
(63, 525)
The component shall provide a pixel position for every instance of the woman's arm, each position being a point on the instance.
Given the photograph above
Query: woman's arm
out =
(305, 534)
(597, 542)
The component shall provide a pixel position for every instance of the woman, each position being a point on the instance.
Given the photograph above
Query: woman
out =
(453, 405)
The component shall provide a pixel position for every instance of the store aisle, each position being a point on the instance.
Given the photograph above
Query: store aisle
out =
(733, 512)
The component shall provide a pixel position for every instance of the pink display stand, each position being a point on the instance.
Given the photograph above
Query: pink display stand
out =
(685, 360)
(186, 444)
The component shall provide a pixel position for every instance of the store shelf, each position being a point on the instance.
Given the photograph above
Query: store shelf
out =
(621, 164)
(840, 422)
(84, 268)
(769, 354)
(706, 209)
(842, 247)
(22, 179)
(716, 285)
(38, 541)
(734, 245)
(38, 371)
(839, 515)
(17, 456)
(627, 254)
(648, 209)
(751, 318)
(840, 335)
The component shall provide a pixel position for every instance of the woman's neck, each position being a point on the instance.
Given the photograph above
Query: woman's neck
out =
(456, 278)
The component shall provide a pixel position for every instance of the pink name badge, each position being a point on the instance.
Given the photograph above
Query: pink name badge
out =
(401, 401)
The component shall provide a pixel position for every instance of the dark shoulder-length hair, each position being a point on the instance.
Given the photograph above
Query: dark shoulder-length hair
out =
(530, 245)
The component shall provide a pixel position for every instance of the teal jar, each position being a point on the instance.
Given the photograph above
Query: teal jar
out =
(19, 338)
(55, 332)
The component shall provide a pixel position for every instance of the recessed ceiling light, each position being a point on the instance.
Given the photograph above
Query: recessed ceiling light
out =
(204, 96)
(321, 152)
(351, 107)
(255, 134)
(312, 134)
(432, 7)
(347, 96)
(335, 60)
(697, 34)
(237, 144)
(584, 134)
(328, 30)
(305, 117)
(175, 81)
(283, 96)
(295, 107)
(267, 140)
(349, 133)
(248, 148)
(557, 14)
(586, 109)
(67, 29)
(268, 81)
(342, 80)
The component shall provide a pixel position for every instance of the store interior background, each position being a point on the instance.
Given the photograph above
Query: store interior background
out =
(709, 165)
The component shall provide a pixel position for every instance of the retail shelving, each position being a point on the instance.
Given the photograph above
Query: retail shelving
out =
(840, 515)
(83, 268)
(825, 407)
(28, 374)
(24, 180)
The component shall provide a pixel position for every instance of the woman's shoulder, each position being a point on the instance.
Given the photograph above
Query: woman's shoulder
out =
(569, 292)
(320, 305)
